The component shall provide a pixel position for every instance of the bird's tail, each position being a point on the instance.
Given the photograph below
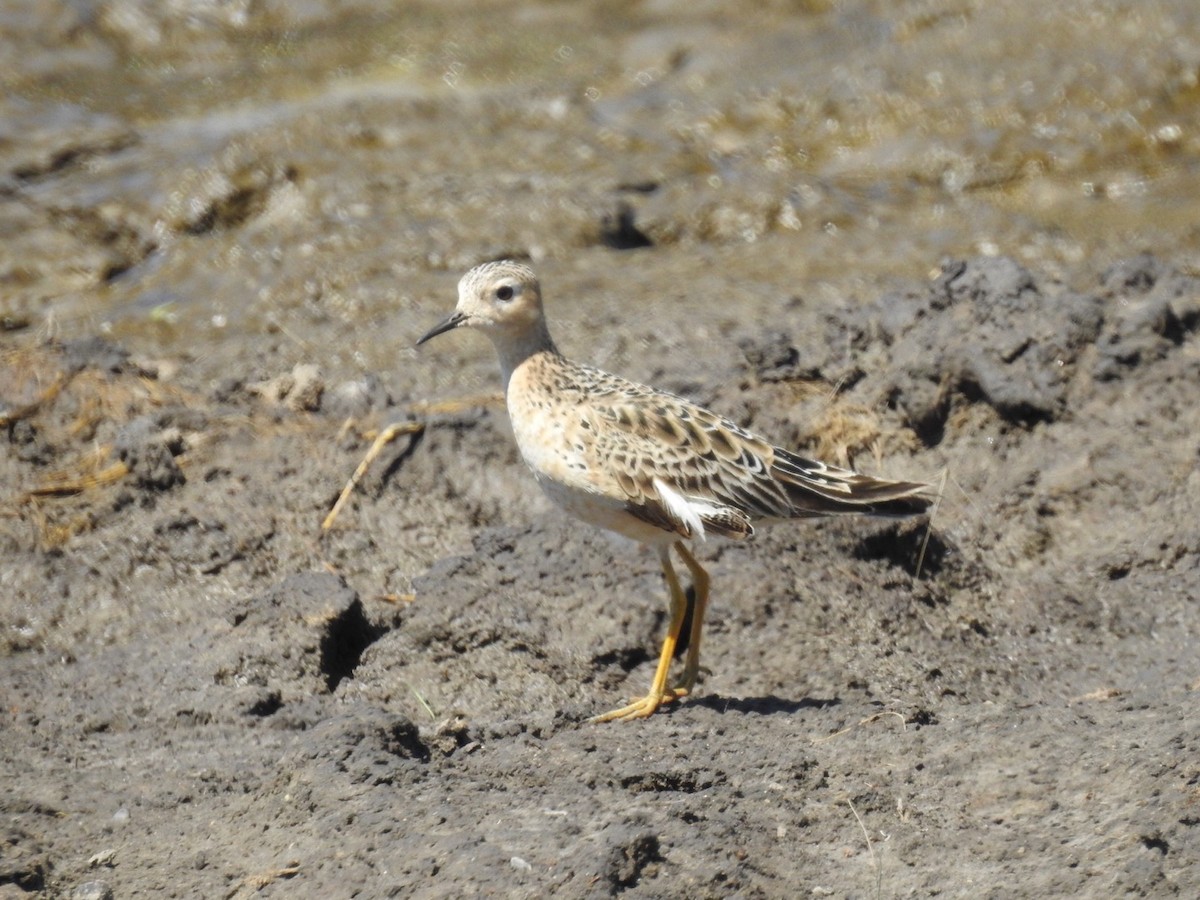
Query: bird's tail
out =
(818, 489)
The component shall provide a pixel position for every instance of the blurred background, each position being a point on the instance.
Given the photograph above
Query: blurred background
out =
(174, 173)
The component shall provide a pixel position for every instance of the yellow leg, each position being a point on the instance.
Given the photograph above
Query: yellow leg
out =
(659, 692)
(700, 582)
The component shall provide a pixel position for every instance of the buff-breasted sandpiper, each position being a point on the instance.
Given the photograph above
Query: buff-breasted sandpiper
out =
(647, 464)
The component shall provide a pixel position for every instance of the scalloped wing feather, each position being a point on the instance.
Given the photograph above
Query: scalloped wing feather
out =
(686, 469)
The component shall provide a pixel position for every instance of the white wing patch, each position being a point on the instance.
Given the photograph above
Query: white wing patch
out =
(686, 511)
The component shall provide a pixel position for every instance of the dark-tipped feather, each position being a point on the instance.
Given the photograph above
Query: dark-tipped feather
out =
(818, 489)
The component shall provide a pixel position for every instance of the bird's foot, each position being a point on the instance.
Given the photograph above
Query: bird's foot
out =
(642, 707)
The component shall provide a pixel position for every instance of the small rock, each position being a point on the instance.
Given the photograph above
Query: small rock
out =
(103, 858)
(92, 890)
(299, 390)
(307, 388)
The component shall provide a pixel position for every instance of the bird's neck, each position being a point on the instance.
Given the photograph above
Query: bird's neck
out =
(514, 349)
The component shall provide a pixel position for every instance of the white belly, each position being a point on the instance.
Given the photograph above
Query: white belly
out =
(556, 448)
(605, 512)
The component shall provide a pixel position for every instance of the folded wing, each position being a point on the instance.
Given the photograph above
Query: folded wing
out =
(689, 471)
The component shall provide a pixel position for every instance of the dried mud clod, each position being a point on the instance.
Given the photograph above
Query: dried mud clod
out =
(984, 332)
(304, 636)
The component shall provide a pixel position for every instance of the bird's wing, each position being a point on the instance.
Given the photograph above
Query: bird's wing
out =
(689, 470)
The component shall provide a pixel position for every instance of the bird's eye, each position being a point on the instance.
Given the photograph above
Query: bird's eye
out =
(505, 292)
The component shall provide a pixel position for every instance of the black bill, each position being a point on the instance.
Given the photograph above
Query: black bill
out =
(447, 324)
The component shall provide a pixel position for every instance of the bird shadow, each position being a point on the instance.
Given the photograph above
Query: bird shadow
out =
(764, 706)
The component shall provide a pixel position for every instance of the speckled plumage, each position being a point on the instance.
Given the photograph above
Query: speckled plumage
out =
(648, 464)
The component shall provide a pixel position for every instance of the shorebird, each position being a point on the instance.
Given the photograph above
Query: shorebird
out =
(647, 464)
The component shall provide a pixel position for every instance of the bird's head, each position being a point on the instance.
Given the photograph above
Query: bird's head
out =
(501, 298)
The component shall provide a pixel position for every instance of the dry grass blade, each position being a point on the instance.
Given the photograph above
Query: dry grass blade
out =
(9, 416)
(389, 434)
(63, 483)
(929, 523)
(870, 850)
(398, 429)
(868, 720)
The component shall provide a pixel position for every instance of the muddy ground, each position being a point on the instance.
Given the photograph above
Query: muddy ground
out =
(940, 241)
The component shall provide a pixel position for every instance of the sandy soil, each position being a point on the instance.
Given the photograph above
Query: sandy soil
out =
(210, 301)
